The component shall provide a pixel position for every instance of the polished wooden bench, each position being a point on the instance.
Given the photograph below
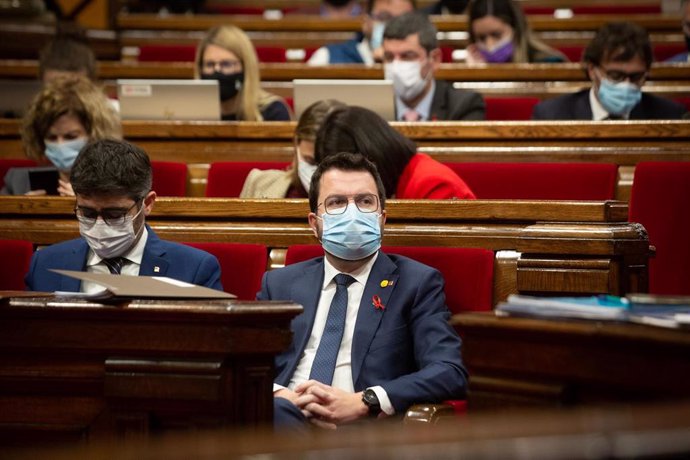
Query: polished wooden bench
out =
(540, 246)
(75, 371)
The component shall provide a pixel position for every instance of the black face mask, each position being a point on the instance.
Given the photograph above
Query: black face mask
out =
(230, 84)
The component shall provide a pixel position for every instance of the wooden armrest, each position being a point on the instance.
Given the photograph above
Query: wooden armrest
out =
(428, 413)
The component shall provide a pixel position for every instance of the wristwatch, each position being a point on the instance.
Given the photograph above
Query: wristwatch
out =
(372, 402)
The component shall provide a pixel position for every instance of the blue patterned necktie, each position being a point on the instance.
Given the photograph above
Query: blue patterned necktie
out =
(114, 264)
(324, 362)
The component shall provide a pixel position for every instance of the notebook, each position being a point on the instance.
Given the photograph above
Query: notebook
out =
(16, 95)
(169, 100)
(375, 95)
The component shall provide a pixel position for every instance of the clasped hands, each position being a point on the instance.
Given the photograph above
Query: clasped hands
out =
(324, 405)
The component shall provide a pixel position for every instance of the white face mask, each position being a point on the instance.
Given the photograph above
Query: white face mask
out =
(305, 171)
(109, 241)
(407, 78)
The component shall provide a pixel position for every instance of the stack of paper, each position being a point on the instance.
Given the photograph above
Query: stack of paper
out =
(602, 307)
(656, 310)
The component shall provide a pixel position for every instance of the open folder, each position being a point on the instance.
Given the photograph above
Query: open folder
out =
(141, 287)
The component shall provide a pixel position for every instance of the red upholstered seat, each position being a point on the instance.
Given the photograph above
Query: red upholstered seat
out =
(539, 181)
(509, 108)
(226, 178)
(683, 100)
(271, 54)
(7, 163)
(16, 258)
(241, 265)
(167, 53)
(660, 200)
(169, 178)
(468, 272)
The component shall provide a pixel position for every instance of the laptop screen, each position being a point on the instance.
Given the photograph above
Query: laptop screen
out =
(375, 95)
(169, 100)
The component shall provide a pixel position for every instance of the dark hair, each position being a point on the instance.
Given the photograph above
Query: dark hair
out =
(344, 161)
(111, 167)
(358, 130)
(370, 5)
(619, 41)
(67, 53)
(412, 23)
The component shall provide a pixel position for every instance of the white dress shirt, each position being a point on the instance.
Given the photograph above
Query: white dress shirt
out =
(131, 266)
(342, 377)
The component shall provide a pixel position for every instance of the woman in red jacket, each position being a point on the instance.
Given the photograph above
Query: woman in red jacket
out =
(406, 174)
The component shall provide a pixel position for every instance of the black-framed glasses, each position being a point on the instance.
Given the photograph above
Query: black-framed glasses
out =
(111, 216)
(618, 76)
(337, 204)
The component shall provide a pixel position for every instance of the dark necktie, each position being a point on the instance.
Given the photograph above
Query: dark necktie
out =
(614, 117)
(324, 362)
(115, 264)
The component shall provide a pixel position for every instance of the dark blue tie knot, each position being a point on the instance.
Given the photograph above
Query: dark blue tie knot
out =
(342, 279)
(115, 264)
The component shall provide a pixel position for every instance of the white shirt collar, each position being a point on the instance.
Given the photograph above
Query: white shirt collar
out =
(360, 275)
(134, 255)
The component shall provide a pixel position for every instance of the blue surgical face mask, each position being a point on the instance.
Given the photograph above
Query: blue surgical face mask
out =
(352, 235)
(618, 98)
(63, 154)
(376, 40)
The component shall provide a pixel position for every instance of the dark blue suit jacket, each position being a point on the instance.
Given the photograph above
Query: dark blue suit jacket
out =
(161, 258)
(408, 348)
(576, 107)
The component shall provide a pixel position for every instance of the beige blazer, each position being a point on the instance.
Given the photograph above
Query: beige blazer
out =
(266, 183)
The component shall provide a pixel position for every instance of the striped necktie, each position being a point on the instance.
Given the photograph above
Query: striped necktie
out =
(115, 264)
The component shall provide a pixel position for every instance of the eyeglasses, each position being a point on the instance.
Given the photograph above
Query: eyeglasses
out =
(618, 76)
(111, 216)
(225, 66)
(383, 16)
(336, 204)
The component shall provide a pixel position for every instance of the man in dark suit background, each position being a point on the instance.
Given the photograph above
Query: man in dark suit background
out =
(617, 62)
(112, 182)
(411, 58)
(392, 345)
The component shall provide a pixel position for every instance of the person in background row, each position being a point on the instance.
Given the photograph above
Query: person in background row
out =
(499, 33)
(365, 48)
(66, 56)
(62, 118)
(332, 9)
(406, 174)
(411, 57)
(446, 7)
(226, 54)
(617, 61)
(293, 182)
(685, 11)
(112, 182)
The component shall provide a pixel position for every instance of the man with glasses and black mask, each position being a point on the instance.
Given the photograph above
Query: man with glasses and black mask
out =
(374, 336)
(112, 183)
(617, 62)
(365, 47)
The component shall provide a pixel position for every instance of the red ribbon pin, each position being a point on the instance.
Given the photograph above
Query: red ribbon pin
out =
(376, 302)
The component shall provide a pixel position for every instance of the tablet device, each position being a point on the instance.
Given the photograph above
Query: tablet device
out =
(44, 179)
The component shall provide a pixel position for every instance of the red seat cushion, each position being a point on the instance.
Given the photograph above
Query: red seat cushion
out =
(660, 200)
(16, 257)
(271, 54)
(169, 178)
(468, 272)
(167, 53)
(241, 265)
(226, 178)
(7, 163)
(509, 108)
(539, 181)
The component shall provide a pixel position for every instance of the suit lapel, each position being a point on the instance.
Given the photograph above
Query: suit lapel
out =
(381, 283)
(74, 260)
(153, 262)
(439, 102)
(583, 109)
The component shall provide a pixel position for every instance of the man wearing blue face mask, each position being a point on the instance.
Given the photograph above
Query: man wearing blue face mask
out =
(617, 62)
(374, 336)
(365, 47)
(112, 183)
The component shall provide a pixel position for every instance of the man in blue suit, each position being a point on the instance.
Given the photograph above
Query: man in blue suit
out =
(112, 183)
(393, 344)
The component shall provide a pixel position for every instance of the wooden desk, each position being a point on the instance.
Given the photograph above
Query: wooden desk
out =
(75, 371)
(521, 361)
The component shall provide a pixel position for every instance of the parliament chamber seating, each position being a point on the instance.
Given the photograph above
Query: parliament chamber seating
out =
(539, 181)
(169, 178)
(509, 108)
(16, 258)
(241, 266)
(226, 178)
(660, 201)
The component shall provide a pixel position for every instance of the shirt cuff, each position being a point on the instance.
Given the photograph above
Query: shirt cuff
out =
(384, 401)
(277, 387)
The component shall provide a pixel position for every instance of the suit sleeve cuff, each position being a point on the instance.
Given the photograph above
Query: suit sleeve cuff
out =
(384, 401)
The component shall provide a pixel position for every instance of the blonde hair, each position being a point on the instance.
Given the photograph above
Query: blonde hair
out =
(252, 99)
(76, 96)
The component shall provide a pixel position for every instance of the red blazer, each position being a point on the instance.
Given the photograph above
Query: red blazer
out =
(424, 177)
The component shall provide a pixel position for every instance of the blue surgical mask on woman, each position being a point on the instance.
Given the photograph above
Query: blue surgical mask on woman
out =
(618, 98)
(376, 40)
(63, 154)
(352, 235)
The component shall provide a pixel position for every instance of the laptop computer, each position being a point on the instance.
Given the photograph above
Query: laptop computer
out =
(169, 99)
(375, 95)
(16, 96)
